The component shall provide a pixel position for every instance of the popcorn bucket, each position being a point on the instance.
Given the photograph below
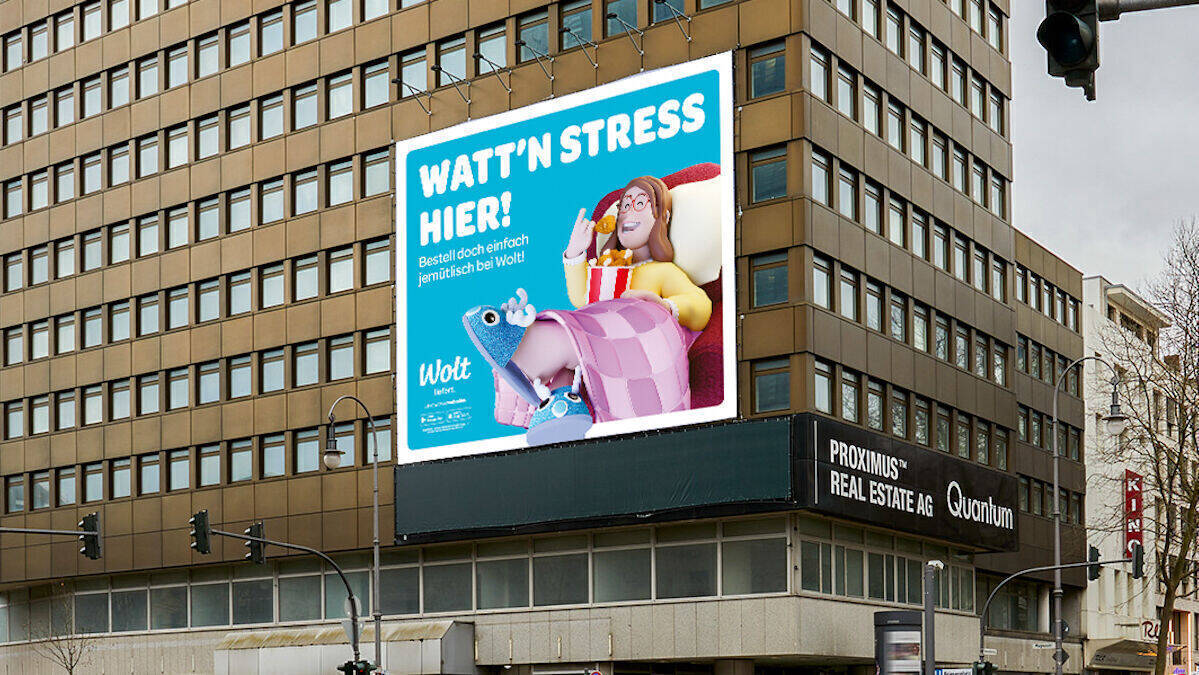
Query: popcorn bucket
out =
(606, 282)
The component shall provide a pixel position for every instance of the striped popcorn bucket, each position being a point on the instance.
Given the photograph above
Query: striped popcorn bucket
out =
(607, 283)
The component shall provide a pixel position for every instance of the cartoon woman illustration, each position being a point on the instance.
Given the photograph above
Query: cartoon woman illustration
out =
(627, 340)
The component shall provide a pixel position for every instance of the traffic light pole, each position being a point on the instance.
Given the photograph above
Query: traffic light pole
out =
(90, 538)
(982, 616)
(353, 602)
(1110, 10)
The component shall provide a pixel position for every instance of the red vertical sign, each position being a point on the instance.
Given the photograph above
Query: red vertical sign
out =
(1133, 509)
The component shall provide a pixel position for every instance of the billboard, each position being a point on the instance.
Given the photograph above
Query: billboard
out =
(565, 270)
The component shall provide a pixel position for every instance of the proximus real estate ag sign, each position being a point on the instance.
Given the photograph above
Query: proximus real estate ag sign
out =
(850, 472)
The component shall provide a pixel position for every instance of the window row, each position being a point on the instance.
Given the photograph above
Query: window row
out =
(860, 399)
(907, 132)
(731, 558)
(298, 279)
(223, 463)
(325, 360)
(268, 116)
(292, 24)
(1042, 363)
(1034, 428)
(269, 201)
(1036, 497)
(924, 53)
(860, 563)
(1042, 296)
(839, 186)
(857, 297)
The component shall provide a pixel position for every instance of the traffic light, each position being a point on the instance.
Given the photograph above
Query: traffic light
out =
(201, 532)
(90, 526)
(256, 554)
(356, 667)
(1070, 36)
(1138, 560)
(1093, 568)
(983, 668)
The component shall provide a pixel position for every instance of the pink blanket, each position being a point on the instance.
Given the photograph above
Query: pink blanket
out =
(634, 357)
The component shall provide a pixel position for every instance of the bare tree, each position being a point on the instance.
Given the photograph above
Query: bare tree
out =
(53, 632)
(1159, 368)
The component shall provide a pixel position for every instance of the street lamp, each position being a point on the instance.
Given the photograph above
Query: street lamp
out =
(332, 459)
(1114, 423)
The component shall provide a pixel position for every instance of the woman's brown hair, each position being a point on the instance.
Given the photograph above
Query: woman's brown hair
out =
(659, 237)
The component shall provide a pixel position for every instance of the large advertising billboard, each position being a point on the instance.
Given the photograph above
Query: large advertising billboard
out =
(565, 270)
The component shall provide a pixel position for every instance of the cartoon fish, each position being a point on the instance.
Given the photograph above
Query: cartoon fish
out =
(496, 332)
(561, 416)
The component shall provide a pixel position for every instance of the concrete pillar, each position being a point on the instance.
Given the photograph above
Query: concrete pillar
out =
(734, 667)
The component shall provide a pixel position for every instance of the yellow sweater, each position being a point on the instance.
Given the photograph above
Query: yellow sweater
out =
(665, 279)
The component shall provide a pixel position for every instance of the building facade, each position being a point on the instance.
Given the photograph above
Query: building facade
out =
(197, 246)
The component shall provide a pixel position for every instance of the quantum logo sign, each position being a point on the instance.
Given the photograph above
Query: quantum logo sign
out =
(977, 510)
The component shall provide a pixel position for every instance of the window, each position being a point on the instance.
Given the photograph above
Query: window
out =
(895, 125)
(271, 371)
(978, 90)
(303, 21)
(980, 355)
(238, 44)
(64, 413)
(919, 233)
(896, 227)
(177, 389)
(41, 490)
(14, 125)
(847, 94)
(273, 451)
(961, 347)
(271, 201)
(376, 86)
(208, 133)
(961, 256)
(872, 108)
(822, 282)
(91, 173)
(307, 451)
(576, 23)
(979, 272)
(304, 197)
(147, 8)
(239, 213)
(147, 395)
(959, 170)
(957, 81)
(820, 74)
(305, 364)
(92, 328)
(39, 265)
(147, 315)
(176, 67)
(768, 274)
(240, 293)
(376, 173)
(995, 112)
(93, 482)
(849, 294)
(938, 64)
(870, 17)
(894, 31)
(15, 489)
(979, 183)
(14, 346)
(13, 52)
(998, 195)
(270, 122)
(39, 41)
(344, 436)
(39, 191)
(64, 107)
(304, 278)
(240, 377)
(13, 200)
(920, 327)
(147, 156)
(962, 439)
(176, 147)
(207, 56)
(39, 342)
(374, 8)
(918, 132)
(772, 385)
(899, 413)
(239, 127)
(899, 317)
(178, 470)
(210, 465)
(916, 41)
(768, 174)
(209, 383)
(118, 400)
(209, 300)
(338, 12)
(270, 33)
(341, 182)
(921, 421)
(847, 192)
(849, 396)
(451, 58)
(118, 323)
(148, 475)
(767, 68)
(821, 182)
(874, 306)
(14, 420)
(939, 156)
(147, 77)
(271, 286)
(492, 45)
(341, 357)
(121, 478)
(414, 77)
(999, 365)
(822, 392)
(873, 214)
(14, 272)
(340, 94)
(982, 442)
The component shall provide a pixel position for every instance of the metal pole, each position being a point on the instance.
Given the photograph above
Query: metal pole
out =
(930, 615)
(376, 610)
(1110, 10)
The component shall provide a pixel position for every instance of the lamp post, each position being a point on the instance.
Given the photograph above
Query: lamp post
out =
(332, 459)
(1114, 423)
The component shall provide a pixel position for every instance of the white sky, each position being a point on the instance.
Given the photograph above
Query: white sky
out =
(1102, 183)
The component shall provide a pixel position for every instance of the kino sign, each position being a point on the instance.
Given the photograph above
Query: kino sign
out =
(853, 473)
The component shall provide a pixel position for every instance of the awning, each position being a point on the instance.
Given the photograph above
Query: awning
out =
(1121, 654)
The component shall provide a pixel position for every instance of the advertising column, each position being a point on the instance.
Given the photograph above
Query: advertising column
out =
(565, 270)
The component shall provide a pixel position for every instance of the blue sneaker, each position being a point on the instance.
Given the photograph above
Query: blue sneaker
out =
(562, 416)
(496, 332)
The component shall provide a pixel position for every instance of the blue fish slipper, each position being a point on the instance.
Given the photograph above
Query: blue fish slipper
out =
(561, 416)
(496, 332)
